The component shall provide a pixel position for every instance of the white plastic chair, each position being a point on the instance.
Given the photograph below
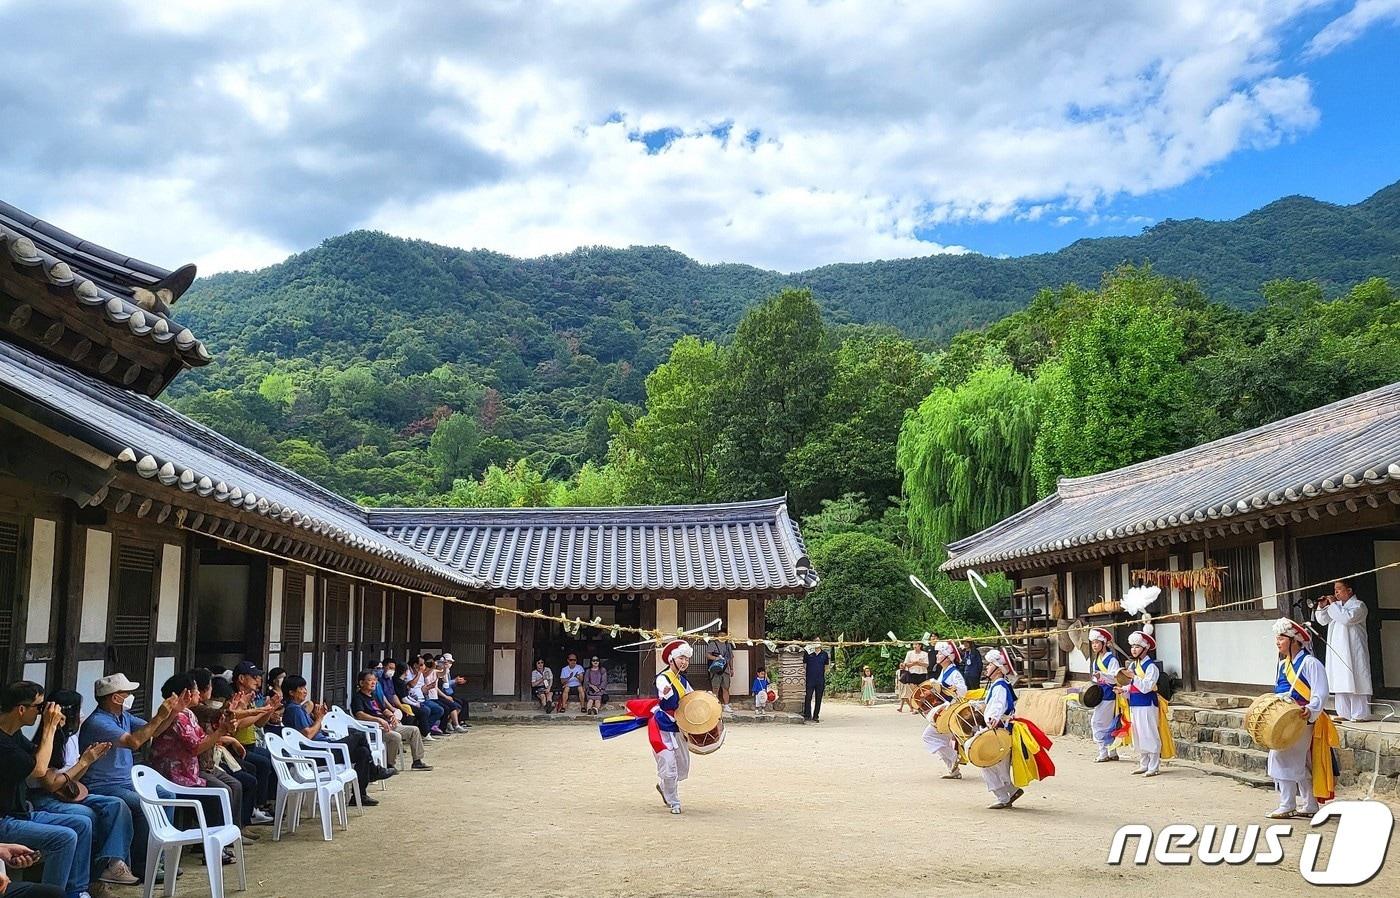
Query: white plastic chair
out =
(335, 756)
(298, 778)
(167, 839)
(339, 724)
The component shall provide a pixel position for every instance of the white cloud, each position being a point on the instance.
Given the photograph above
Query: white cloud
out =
(1348, 27)
(233, 133)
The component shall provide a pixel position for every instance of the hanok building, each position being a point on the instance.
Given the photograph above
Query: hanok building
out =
(134, 539)
(1293, 503)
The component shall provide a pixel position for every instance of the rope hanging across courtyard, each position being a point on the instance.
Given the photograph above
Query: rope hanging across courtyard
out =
(574, 625)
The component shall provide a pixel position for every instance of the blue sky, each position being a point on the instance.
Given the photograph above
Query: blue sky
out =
(786, 134)
(1352, 152)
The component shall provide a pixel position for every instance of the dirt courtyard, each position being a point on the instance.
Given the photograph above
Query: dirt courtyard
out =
(852, 806)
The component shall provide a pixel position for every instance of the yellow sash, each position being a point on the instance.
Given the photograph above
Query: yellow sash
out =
(675, 679)
(1324, 738)
(1164, 727)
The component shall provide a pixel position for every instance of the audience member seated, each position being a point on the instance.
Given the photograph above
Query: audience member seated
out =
(18, 857)
(65, 840)
(175, 752)
(220, 762)
(453, 688)
(367, 706)
(570, 681)
(251, 710)
(421, 681)
(595, 685)
(62, 791)
(294, 715)
(113, 722)
(542, 684)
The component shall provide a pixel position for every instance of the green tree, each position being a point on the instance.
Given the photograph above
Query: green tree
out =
(668, 454)
(1112, 392)
(864, 592)
(453, 447)
(878, 376)
(776, 376)
(966, 454)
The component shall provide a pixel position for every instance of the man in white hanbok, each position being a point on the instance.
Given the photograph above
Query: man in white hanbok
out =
(998, 709)
(1348, 655)
(1303, 679)
(954, 687)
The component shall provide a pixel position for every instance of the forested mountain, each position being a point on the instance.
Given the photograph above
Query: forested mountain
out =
(344, 360)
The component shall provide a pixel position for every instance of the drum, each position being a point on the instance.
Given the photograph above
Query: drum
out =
(706, 743)
(1273, 721)
(1092, 695)
(772, 696)
(926, 697)
(989, 747)
(961, 720)
(1123, 677)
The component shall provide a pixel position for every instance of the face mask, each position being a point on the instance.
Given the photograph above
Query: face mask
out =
(128, 702)
(215, 703)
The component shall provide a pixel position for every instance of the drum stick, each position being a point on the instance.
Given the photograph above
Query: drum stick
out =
(922, 587)
(974, 578)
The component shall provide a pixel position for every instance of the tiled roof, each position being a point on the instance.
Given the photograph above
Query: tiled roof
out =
(163, 445)
(1336, 451)
(736, 547)
(125, 292)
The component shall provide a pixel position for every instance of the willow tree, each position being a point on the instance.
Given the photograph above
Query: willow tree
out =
(965, 456)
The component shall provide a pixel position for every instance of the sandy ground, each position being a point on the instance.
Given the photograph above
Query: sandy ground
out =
(853, 806)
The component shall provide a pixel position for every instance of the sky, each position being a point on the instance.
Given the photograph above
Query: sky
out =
(778, 133)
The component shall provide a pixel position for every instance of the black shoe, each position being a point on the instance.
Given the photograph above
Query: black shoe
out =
(467, 725)
(390, 771)
(367, 802)
(419, 765)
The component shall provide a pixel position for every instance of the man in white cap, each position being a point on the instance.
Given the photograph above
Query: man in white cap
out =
(998, 708)
(1146, 708)
(113, 722)
(953, 686)
(1105, 720)
(1303, 679)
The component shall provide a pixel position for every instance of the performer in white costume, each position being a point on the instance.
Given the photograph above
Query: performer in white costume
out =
(1348, 654)
(1106, 719)
(1303, 679)
(950, 679)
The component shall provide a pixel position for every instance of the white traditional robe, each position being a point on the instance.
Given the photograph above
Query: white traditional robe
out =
(998, 776)
(1291, 768)
(1146, 729)
(937, 743)
(1348, 655)
(1104, 719)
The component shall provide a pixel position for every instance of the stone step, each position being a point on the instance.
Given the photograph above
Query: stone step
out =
(1259, 781)
(1231, 757)
(1210, 701)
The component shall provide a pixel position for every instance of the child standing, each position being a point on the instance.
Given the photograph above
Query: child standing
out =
(867, 687)
(760, 691)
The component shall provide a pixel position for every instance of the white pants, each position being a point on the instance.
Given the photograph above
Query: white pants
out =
(672, 766)
(1104, 717)
(1147, 736)
(998, 780)
(941, 746)
(760, 700)
(1291, 771)
(1352, 706)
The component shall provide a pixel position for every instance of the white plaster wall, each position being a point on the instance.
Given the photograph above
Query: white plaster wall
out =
(1108, 583)
(308, 614)
(41, 554)
(1174, 564)
(666, 616)
(279, 579)
(168, 599)
(503, 672)
(37, 672)
(1198, 596)
(1390, 653)
(505, 625)
(274, 659)
(164, 670)
(1268, 582)
(1123, 581)
(1236, 651)
(1168, 638)
(97, 584)
(88, 673)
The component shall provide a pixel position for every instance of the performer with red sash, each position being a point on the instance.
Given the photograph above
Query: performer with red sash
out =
(1029, 758)
(1302, 772)
(658, 715)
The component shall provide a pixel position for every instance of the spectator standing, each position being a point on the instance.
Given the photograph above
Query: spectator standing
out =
(867, 687)
(61, 791)
(971, 664)
(113, 722)
(595, 685)
(913, 670)
(367, 705)
(760, 691)
(541, 683)
(64, 839)
(570, 680)
(817, 661)
(719, 661)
